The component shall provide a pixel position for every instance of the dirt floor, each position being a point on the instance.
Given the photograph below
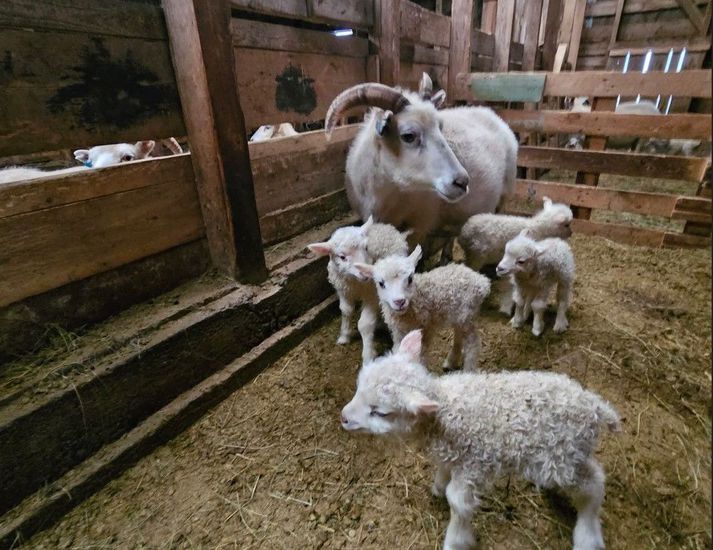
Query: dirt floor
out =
(271, 468)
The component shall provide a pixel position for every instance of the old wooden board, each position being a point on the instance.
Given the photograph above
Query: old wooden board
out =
(507, 86)
(688, 126)
(610, 162)
(293, 87)
(54, 246)
(356, 13)
(605, 8)
(424, 26)
(62, 89)
(459, 52)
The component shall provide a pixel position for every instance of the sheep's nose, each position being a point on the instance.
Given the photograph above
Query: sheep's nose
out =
(399, 303)
(343, 419)
(461, 182)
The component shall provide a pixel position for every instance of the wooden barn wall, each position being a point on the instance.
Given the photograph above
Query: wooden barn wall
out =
(425, 40)
(84, 72)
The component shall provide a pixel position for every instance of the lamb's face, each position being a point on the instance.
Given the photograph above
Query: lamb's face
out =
(414, 153)
(390, 392)
(393, 277)
(520, 256)
(346, 248)
(116, 153)
(561, 217)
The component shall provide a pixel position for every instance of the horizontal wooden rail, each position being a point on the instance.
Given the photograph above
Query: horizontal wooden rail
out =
(636, 202)
(605, 8)
(689, 83)
(421, 25)
(610, 162)
(356, 13)
(689, 126)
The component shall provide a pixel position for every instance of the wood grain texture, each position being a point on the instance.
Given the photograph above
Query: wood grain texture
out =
(604, 8)
(503, 35)
(387, 31)
(460, 33)
(423, 26)
(532, 17)
(356, 13)
(578, 22)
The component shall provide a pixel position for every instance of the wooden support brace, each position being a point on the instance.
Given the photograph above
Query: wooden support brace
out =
(459, 51)
(202, 52)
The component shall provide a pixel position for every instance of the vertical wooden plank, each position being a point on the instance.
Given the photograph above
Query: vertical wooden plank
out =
(202, 52)
(595, 143)
(503, 35)
(617, 22)
(459, 51)
(565, 28)
(388, 21)
(489, 16)
(532, 15)
(695, 16)
(549, 47)
(577, 25)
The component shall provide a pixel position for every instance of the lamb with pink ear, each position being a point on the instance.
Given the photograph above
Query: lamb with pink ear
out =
(541, 426)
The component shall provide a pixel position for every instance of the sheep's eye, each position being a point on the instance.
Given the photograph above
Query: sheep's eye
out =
(521, 261)
(381, 284)
(378, 413)
(408, 137)
(410, 279)
(342, 257)
(127, 158)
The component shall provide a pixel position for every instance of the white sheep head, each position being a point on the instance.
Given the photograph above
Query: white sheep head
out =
(558, 217)
(392, 392)
(521, 255)
(393, 277)
(405, 132)
(346, 247)
(116, 153)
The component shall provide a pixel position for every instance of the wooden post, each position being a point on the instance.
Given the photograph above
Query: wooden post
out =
(503, 35)
(532, 16)
(388, 30)
(202, 52)
(489, 16)
(576, 37)
(459, 51)
(549, 48)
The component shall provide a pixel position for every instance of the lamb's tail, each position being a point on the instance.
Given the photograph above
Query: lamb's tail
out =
(608, 416)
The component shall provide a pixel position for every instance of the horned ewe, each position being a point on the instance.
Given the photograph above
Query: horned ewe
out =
(484, 236)
(541, 426)
(346, 247)
(534, 268)
(416, 167)
(446, 296)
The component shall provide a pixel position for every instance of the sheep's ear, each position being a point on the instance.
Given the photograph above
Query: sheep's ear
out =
(321, 249)
(546, 202)
(438, 99)
(367, 225)
(416, 254)
(417, 403)
(526, 232)
(144, 148)
(425, 86)
(411, 345)
(406, 234)
(384, 120)
(540, 249)
(365, 269)
(82, 155)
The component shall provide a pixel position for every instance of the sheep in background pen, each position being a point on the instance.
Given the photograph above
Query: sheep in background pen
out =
(345, 248)
(534, 268)
(272, 131)
(541, 426)
(416, 167)
(448, 296)
(484, 236)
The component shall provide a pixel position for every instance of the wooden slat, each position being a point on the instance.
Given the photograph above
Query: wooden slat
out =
(306, 142)
(627, 234)
(508, 86)
(635, 202)
(604, 8)
(576, 37)
(49, 248)
(293, 87)
(503, 35)
(680, 240)
(695, 16)
(388, 18)
(620, 49)
(459, 52)
(549, 47)
(482, 43)
(267, 36)
(418, 24)
(52, 191)
(356, 13)
(417, 53)
(532, 16)
(617, 22)
(489, 16)
(609, 162)
(684, 126)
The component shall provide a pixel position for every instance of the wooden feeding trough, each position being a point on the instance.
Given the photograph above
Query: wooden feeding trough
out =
(79, 250)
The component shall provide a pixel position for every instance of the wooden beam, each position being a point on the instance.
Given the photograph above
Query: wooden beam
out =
(617, 23)
(606, 8)
(532, 16)
(661, 46)
(420, 25)
(202, 51)
(459, 51)
(576, 37)
(609, 162)
(683, 126)
(489, 16)
(387, 30)
(549, 47)
(694, 16)
(503, 35)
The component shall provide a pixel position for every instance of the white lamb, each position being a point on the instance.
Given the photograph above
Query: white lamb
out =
(534, 268)
(446, 296)
(346, 247)
(484, 236)
(541, 426)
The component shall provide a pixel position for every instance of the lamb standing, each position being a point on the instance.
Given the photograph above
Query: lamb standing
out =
(407, 149)
(484, 236)
(346, 247)
(446, 296)
(478, 427)
(535, 267)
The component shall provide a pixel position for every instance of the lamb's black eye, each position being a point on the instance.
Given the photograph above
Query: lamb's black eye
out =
(342, 257)
(408, 137)
(381, 284)
(127, 158)
(410, 279)
(380, 414)
(521, 261)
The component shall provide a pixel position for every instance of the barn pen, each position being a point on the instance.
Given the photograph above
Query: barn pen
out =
(168, 369)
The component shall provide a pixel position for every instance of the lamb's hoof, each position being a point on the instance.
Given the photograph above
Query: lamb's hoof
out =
(561, 327)
(344, 339)
(448, 366)
(536, 331)
(514, 323)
